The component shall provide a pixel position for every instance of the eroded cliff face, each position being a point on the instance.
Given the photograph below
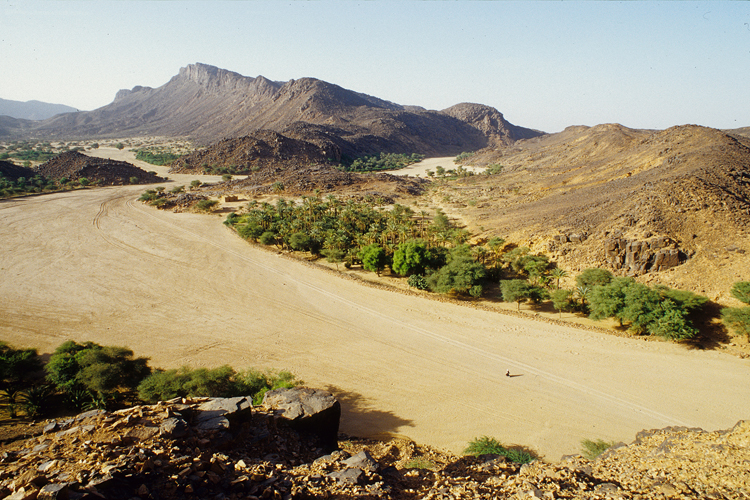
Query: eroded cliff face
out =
(226, 448)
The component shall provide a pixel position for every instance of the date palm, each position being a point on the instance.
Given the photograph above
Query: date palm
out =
(556, 274)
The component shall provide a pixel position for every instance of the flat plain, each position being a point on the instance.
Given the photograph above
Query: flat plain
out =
(183, 289)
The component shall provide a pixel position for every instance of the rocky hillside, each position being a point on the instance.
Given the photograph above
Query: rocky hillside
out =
(636, 201)
(74, 166)
(288, 448)
(263, 148)
(11, 171)
(208, 104)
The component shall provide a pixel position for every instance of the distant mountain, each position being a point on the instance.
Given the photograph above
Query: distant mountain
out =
(208, 104)
(32, 110)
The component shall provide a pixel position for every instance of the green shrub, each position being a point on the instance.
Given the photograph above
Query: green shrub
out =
(592, 449)
(741, 291)
(95, 368)
(223, 381)
(592, 277)
(460, 274)
(490, 446)
(155, 157)
(206, 205)
(267, 238)
(417, 281)
(133, 180)
(17, 367)
(373, 258)
(411, 257)
(738, 319)
(515, 291)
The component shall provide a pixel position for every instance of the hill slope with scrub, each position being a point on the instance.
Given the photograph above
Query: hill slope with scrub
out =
(634, 201)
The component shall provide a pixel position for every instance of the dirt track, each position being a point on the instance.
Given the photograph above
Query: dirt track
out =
(183, 289)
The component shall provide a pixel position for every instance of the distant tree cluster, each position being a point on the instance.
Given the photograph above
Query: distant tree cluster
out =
(382, 161)
(155, 157)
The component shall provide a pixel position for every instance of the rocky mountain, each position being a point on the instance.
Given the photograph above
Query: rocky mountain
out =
(289, 448)
(208, 104)
(32, 110)
(635, 201)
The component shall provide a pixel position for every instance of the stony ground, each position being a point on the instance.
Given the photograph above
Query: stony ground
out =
(141, 453)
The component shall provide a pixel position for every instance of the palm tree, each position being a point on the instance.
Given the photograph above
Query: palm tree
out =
(558, 273)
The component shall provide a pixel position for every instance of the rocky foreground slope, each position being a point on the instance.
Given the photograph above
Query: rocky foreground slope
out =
(226, 448)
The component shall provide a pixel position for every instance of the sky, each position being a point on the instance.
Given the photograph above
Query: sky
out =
(544, 65)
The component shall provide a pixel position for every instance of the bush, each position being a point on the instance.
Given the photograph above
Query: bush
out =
(373, 258)
(89, 366)
(593, 277)
(515, 291)
(592, 449)
(417, 281)
(490, 446)
(133, 180)
(267, 238)
(562, 300)
(206, 205)
(411, 257)
(741, 291)
(460, 274)
(17, 366)
(738, 319)
(223, 381)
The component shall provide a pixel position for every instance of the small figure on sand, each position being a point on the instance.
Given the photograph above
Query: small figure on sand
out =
(507, 373)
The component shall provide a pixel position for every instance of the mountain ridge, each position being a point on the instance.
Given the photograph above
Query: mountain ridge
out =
(32, 110)
(208, 104)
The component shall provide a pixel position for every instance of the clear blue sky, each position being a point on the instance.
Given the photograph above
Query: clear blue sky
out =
(544, 65)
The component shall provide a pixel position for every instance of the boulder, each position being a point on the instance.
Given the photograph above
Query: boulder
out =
(217, 414)
(308, 411)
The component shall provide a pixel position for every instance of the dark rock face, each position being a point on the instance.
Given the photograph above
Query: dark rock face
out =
(638, 257)
(309, 411)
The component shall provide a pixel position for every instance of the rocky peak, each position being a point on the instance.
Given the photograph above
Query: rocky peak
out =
(122, 94)
(489, 121)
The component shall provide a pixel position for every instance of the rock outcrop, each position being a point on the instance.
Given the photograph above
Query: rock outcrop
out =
(309, 411)
(639, 257)
(224, 448)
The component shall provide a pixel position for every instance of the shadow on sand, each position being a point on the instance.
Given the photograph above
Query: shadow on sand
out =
(358, 415)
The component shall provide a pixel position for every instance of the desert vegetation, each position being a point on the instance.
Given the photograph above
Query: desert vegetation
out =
(155, 157)
(738, 318)
(381, 161)
(486, 445)
(83, 376)
(36, 185)
(434, 254)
